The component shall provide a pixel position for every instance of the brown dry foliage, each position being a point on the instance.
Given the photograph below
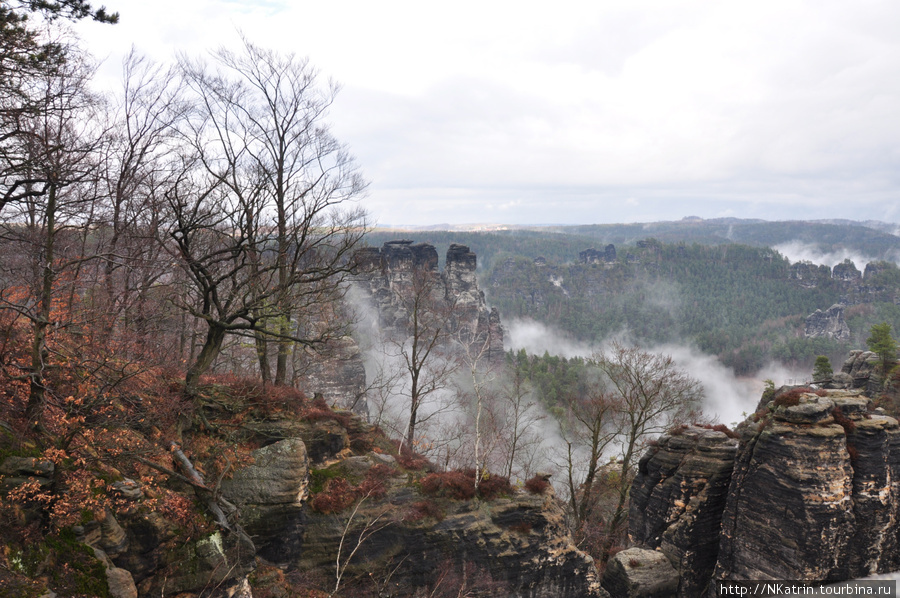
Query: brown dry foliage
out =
(537, 484)
(422, 509)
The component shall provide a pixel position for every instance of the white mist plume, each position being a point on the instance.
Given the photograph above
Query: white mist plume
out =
(536, 338)
(797, 251)
(726, 396)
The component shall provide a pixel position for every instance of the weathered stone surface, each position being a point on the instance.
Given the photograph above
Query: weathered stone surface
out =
(639, 573)
(521, 541)
(860, 367)
(813, 497)
(828, 324)
(336, 371)
(392, 278)
(809, 275)
(201, 564)
(270, 495)
(846, 271)
(677, 501)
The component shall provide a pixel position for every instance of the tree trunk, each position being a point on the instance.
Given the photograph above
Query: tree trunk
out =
(34, 411)
(215, 335)
(284, 351)
(262, 355)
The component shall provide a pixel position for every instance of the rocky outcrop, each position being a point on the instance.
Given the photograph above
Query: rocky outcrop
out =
(594, 256)
(809, 275)
(400, 271)
(270, 494)
(337, 372)
(858, 371)
(846, 272)
(677, 501)
(516, 546)
(810, 492)
(804, 493)
(828, 324)
(639, 573)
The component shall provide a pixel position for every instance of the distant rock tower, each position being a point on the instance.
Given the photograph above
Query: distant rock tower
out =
(828, 324)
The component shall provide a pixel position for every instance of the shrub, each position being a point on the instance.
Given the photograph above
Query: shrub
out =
(842, 420)
(537, 484)
(450, 484)
(791, 397)
(677, 430)
(422, 509)
(853, 452)
(337, 496)
(634, 563)
(408, 458)
(494, 486)
(726, 430)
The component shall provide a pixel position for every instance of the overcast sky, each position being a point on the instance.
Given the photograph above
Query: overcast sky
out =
(583, 111)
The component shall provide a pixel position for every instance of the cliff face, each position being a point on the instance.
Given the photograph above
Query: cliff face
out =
(810, 492)
(677, 501)
(828, 324)
(329, 494)
(395, 274)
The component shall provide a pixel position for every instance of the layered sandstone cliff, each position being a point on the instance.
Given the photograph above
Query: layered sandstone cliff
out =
(811, 491)
(395, 276)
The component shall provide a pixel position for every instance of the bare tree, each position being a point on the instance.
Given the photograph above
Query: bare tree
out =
(591, 426)
(135, 169)
(422, 344)
(262, 217)
(518, 414)
(47, 213)
(650, 393)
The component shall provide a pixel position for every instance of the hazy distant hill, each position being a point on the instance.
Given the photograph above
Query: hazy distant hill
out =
(711, 283)
(562, 244)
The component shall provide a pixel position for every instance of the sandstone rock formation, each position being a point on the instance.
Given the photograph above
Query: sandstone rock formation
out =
(337, 372)
(828, 324)
(809, 275)
(594, 256)
(393, 275)
(677, 501)
(639, 573)
(814, 494)
(520, 541)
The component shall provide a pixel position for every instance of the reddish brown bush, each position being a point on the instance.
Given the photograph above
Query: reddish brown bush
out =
(725, 430)
(449, 484)
(422, 509)
(842, 420)
(537, 484)
(408, 458)
(375, 483)
(523, 528)
(460, 485)
(677, 430)
(337, 496)
(791, 397)
(853, 452)
(319, 410)
(494, 486)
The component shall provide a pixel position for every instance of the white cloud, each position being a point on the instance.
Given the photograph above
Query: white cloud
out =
(780, 109)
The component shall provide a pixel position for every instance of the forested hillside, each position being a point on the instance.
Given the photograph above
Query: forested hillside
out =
(745, 304)
(562, 244)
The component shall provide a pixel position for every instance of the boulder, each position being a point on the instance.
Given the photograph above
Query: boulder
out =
(640, 573)
(270, 494)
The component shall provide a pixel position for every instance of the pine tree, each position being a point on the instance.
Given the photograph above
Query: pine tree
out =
(822, 369)
(883, 344)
